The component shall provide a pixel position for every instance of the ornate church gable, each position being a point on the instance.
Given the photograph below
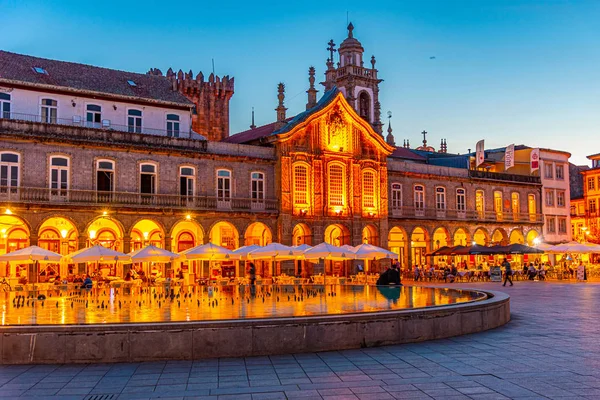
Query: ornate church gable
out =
(332, 126)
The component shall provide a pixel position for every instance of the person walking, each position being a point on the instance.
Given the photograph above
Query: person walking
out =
(507, 272)
(252, 273)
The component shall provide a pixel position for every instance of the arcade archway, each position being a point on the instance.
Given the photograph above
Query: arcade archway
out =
(105, 232)
(441, 238)
(58, 234)
(337, 235)
(397, 244)
(370, 235)
(258, 234)
(516, 236)
(532, 237)
(481, 237)
(461, 238)
(146, 232)
(419, 239)
(499, 237)
(226, 235)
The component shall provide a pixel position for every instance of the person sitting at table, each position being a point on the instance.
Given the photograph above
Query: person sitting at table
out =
(128, 276)
(542, 273)
(448, 276)
(454, 270)
(525, 269)
(532, 272)
(87, 283)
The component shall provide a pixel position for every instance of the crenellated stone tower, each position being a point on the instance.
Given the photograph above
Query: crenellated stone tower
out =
(359, 84)
(211, 98)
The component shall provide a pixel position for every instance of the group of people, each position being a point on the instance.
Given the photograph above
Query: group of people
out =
(390, 276)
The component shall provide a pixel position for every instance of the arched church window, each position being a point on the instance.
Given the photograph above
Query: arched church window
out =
(365, 106)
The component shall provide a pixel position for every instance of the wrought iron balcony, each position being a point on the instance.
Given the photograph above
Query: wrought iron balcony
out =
(105, 124)
(126, 199)
(467, 215)
(499, 176)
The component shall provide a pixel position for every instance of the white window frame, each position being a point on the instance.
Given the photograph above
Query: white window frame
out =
(4, 114)
(8, 186)
(224, 195)
(153, 174)
(551, 224)
(591, 183)
(59, 191)
(560, 194)
(190, 181)
(549, 196)
(564, 222)
(135, 128)
(419, 199)
(113, 179)
(300, 195)
(548, 170)
(396, 197)
(172, 127)
(461, 201)
(93, 123)
(257, 195)
(440, 198)
(48, 118)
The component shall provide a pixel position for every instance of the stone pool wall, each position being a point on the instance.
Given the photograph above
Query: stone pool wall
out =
(110, 343)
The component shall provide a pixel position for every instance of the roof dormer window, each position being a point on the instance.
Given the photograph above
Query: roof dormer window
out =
(40, 70)
(131, 83)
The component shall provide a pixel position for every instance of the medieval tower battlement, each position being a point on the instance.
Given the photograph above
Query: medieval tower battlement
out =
(211, 98)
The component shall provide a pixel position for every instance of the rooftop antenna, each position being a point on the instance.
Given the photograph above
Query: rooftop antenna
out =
(252, 126)
(213, 65)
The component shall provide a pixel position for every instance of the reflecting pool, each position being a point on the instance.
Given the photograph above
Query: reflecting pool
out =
(202, 303)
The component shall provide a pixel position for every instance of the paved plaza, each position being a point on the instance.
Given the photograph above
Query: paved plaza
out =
(550, 349)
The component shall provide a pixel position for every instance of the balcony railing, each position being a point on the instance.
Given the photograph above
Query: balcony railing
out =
(127, 199)
(450, 214)
(499, 176)
(105, 124)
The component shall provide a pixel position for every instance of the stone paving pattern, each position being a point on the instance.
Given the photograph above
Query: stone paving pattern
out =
(550, 349)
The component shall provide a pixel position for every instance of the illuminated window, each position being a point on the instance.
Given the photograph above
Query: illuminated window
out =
(187, 178)
(257, 187)
(560, 198)
(300, 185)
(49, 110)
(336, 185)
(134, 121)
(480, 203)
(59, 175)
(498, 204)
(396, 196)
(4, 105)
(592, 207)
(461, 201)
(531, 206)
(368, 189)
(440, 198)
(9, 172)
(516, 207)
(223, 185)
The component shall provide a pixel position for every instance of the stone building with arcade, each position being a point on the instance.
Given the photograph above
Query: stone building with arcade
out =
(125, 159)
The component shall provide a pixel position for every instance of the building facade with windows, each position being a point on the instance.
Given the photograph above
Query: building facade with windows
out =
(585, 211)
(556, 206)
(124, 160)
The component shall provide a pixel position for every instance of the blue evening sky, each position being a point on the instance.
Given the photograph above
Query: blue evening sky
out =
(507, 71)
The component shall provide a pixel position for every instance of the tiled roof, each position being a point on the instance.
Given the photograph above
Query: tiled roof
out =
(18, 68)
(252, 135)
(407, 154)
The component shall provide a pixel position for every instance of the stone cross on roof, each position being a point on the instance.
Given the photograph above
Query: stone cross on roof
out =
(331, 49)
(424, 133)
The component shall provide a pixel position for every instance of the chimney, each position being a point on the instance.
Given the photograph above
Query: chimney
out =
(280, 108)
(252, 126)
(312, 92)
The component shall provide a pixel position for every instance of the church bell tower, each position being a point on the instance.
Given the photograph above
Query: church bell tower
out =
(359, 84)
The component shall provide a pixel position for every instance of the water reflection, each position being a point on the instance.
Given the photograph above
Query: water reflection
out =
(230, 302)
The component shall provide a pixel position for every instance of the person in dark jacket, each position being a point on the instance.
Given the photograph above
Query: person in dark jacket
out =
(507, 272)
(87, 283)
(252, 273)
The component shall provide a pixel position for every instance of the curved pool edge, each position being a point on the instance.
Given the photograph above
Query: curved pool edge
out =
(108, 343)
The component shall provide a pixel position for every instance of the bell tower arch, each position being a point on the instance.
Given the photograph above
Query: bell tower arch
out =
(359, 84)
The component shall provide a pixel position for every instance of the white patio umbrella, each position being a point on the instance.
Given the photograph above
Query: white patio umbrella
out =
(275, 252)
(31, 254)
(367, 251)
(96, 253)
(302, 247)
(575, 247)
(153, 254)
(348, 248)
(245, 250)
(328, 251)
(210, 252)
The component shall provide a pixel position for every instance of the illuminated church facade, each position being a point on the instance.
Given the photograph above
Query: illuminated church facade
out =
(124, 160)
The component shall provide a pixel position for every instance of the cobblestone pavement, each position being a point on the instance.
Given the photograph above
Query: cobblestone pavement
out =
(550, 349)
